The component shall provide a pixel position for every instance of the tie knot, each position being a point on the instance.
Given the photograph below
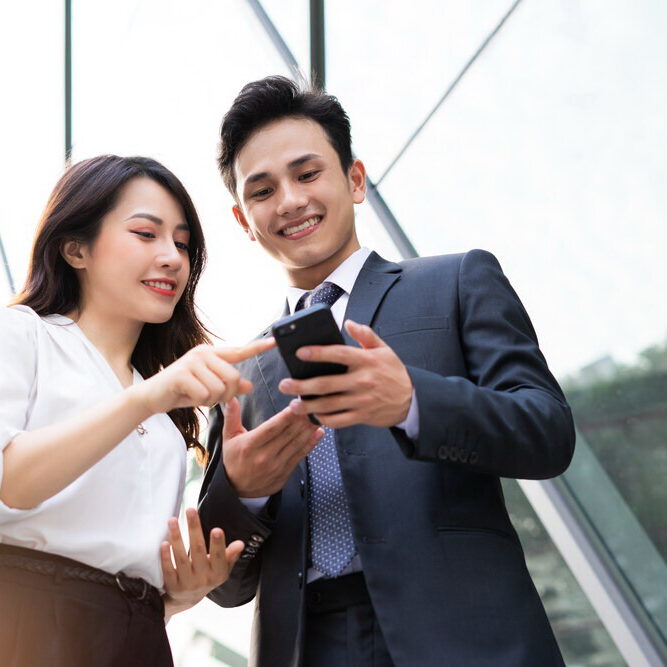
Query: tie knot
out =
(327, 293)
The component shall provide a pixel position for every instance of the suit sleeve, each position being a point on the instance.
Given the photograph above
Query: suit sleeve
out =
(219, 506)
(508, 417)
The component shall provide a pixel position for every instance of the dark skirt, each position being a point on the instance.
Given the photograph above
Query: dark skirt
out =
(56, 612)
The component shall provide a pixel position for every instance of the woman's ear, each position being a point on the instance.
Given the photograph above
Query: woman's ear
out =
(72, 253)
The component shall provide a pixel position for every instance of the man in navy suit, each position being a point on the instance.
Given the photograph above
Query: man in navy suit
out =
(381, 538)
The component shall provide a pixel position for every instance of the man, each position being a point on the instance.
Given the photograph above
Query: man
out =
(389, 543)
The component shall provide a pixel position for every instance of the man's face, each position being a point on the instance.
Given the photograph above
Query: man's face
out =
(295, 199)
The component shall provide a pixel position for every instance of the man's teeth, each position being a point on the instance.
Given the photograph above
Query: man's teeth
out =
(159, 285)
(311, 222)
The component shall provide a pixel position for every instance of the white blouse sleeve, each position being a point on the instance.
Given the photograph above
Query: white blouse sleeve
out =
(18, 372)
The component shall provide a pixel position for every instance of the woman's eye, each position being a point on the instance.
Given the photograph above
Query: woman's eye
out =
(182, 246)
(146, 235)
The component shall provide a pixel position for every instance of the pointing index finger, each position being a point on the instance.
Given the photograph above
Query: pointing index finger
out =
(234, 355)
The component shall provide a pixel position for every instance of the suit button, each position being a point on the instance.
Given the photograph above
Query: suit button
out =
(299, 578)
(442, 452)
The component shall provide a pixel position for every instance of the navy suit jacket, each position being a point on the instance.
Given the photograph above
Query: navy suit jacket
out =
(444, 567)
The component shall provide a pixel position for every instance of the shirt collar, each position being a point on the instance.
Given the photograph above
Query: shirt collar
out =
(344, 275)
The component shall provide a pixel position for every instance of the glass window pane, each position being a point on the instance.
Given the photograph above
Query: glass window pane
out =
(31, 120)
(581, 636)
(389, 62)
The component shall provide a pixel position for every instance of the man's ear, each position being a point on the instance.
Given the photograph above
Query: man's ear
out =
(357, 179)
(240, 218)
(72, 252)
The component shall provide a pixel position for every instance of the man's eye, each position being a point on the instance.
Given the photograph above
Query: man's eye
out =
(309, 175)
(264, 192)
(146, 235)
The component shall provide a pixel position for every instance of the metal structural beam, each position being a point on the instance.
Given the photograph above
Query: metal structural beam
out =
(68, 81)
(628, 625)
(7, 269)
(374, 197)
(450, 89)
(276, 39)
(317, 44)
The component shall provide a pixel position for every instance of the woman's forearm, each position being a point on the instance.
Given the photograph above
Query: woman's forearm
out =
(38, 464)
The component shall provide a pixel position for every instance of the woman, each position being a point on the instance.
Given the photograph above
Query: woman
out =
(93, 454)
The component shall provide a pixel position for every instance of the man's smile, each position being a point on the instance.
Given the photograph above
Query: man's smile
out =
(299, 229)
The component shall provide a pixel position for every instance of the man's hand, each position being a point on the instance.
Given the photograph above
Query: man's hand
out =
(376, 390)
(190, 576)
(258, 462)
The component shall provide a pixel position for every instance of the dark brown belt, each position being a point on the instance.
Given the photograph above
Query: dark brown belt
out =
(41, 562)
(327, 595)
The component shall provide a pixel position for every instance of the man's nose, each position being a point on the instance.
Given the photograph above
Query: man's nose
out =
(292, 198)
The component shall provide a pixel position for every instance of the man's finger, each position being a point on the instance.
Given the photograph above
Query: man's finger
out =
(318, 386)
(324, 405)
(340, 420)
(232, 425)
(266, 433)
(339, 354)
(364, 335)
(293, 441)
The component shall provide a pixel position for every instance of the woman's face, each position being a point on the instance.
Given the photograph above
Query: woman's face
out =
(138, 266)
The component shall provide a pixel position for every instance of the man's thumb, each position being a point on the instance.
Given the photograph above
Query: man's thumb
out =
(232, 425)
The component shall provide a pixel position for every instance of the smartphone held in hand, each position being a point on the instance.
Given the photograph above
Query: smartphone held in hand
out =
(311, 326)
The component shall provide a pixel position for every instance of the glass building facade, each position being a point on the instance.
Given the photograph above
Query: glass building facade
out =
(532, 129)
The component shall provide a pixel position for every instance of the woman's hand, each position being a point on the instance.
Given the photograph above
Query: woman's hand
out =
(196, 573)
(202, 376)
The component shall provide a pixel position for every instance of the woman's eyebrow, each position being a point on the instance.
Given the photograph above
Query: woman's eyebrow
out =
(156, 220)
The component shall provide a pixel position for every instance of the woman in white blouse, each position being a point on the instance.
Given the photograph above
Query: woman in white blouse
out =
(93, 455)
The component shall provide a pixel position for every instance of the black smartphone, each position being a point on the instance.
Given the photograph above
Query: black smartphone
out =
(311, 326)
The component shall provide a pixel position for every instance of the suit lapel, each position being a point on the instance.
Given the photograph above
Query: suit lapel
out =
(272, 369)
(374, 280)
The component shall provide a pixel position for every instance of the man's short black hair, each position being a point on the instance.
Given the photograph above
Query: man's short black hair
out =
(273, 98)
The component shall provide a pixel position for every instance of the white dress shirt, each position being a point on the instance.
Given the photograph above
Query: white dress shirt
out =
(345, 275)
(114, 516)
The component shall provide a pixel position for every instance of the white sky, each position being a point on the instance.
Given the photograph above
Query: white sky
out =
(551, 152)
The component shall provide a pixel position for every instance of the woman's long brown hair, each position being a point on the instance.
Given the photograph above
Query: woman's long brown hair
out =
(84, 194)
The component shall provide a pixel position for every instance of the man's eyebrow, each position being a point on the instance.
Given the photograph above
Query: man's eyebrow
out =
(304, 158)
(156, 220)
(261, 175)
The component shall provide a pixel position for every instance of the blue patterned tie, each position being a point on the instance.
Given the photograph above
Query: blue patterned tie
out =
(331, 541)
